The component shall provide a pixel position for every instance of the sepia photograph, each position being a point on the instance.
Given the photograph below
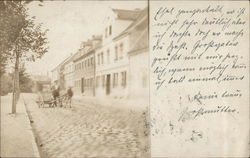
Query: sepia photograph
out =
(124, 78)
(74, 79)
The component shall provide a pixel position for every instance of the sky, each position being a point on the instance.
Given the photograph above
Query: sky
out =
(69, 24)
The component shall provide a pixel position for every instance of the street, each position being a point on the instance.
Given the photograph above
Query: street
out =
(88, 130)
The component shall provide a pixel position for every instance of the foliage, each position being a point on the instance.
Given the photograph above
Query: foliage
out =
(25, 81)
(20, 37)
(6, 84)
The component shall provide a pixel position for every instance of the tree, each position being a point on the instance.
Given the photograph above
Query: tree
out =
(6, 84)
(25, 81)
(21, 40)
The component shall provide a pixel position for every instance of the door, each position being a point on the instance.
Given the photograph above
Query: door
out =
(82, 87)
(108, 84)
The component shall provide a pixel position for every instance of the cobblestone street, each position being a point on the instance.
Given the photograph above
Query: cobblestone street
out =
(88, 131)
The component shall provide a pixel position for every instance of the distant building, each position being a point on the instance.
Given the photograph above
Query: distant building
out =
(112, 63)
(69, 73)
(84, 63)
(55, 75)
(62, 74)
(40, 83)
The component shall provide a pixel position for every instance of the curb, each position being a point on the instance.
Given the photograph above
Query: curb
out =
(33, 140)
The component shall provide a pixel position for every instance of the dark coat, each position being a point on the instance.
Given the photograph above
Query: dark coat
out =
(55, 93)
(70, 92)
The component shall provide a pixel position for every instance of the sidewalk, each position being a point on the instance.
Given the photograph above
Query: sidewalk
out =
(17, 139)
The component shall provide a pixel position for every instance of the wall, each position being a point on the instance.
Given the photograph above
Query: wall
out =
(139, 76)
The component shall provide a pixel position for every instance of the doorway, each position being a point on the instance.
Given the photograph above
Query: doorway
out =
(108, 85)
(82, 87)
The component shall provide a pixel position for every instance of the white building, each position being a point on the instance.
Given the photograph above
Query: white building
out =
(139, 57)
(69, 73)
(112, 62)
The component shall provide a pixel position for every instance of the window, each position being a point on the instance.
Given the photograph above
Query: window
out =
(110, 29)
(106, 32)
(124, 78)
(115, 79)
(91, 82)
(97, 81)
(103, 80)
(108, 56)
(121, 51)
(98, 59)
(116, 53)
(102, 58)
(92, 61)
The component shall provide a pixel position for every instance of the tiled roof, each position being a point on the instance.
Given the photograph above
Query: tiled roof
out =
(141, 18)
(126, 14)
(141, 42)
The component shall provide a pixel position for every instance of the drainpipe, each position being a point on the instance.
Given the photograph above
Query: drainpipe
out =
(94, 75)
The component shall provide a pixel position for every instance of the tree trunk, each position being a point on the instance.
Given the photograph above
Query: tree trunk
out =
(16, 91)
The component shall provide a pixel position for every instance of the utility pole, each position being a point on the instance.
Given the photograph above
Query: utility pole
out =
(94, 84)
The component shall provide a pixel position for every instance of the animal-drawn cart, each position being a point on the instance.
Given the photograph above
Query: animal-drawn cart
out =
(45, 98)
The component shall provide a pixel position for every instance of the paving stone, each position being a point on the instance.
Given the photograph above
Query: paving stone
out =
(88, 130)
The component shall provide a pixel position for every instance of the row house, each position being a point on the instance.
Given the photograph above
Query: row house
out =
(69, 72)
(62, 74)
(84, 64)
(112, 62)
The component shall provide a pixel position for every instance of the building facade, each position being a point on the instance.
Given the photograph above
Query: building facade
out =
(69, 73)
(84, 63)
(112, 62)
(55, 75)
(139, 57)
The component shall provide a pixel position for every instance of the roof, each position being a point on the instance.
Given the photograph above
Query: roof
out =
(141, 42)
(88, 51)
(142, 19)
(71, 58)
(126, 14)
